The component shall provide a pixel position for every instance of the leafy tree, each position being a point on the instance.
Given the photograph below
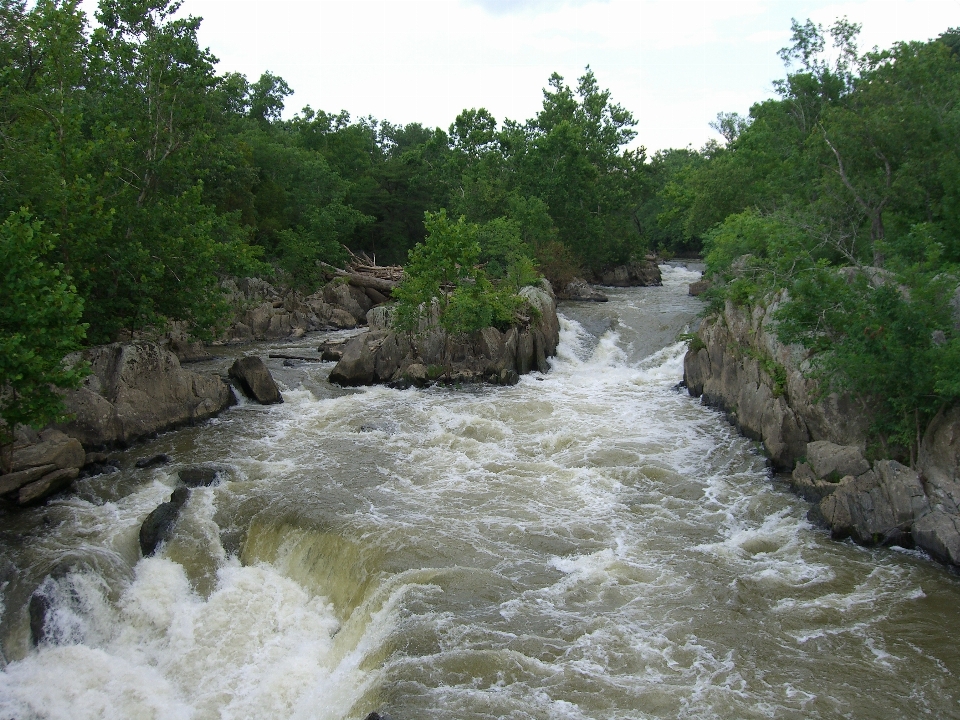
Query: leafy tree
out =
(39, 324)
(444, 276)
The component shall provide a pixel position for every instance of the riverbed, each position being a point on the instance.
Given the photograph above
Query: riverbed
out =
(590, 543)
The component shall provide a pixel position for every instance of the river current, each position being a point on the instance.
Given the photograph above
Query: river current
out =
(590, 543)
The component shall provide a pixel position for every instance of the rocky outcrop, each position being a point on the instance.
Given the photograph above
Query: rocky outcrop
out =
(638, 273)
(255, 380)
(580, 290)
(737, 364)
(433, 355)
(698, 288)
(265, 313)
(41, 466)
(136, 390)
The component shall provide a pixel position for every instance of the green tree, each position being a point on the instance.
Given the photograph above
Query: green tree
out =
(39, 324)
(445, 281)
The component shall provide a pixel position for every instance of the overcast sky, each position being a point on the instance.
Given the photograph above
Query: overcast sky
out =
(674, 64)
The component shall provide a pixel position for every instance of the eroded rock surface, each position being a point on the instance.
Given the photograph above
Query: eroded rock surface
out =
(433, 355)
(255, 380)
(138, 389)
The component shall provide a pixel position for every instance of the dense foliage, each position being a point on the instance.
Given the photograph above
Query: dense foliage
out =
(39, 324)
(129, 166)
(845, 193)
(153, 178)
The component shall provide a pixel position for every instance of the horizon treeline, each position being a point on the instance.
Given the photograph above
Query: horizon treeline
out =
(134, 179)
(154, 177)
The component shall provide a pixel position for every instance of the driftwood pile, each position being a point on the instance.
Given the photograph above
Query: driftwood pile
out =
(363, 272)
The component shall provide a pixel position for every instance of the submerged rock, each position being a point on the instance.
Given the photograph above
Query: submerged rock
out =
(152, 461)
(158, 526)
(201, 476)
(255, 380)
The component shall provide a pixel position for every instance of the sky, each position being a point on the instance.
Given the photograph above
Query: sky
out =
(674, 64)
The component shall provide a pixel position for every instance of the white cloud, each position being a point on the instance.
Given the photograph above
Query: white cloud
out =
(673, 63)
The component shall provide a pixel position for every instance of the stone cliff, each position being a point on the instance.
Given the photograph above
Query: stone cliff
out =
(736, 363)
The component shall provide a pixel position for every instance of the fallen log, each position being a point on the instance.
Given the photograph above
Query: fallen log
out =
(283, 356)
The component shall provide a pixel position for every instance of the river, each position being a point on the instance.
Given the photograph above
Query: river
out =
(590, 543)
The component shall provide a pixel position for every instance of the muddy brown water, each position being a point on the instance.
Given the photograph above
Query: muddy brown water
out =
(590, 543)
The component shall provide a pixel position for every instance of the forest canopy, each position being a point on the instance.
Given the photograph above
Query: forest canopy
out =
(134, 179)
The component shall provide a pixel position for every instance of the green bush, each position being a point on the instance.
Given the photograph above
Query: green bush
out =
(448, 269)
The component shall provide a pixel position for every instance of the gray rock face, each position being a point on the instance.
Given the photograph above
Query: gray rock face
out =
(829, 459)
(255, 380)
(578, 289)
(733, 367)
(432, 355)
(136, 390)
(266, 313)
(741, 367)
(879, 507)
(633, 274)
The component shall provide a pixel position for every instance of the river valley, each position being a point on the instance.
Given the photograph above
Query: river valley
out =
(590, 543)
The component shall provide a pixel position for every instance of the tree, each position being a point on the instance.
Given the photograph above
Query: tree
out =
(39, 324)
(444, 276)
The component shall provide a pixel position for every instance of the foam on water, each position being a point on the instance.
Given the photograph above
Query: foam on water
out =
(590, 543)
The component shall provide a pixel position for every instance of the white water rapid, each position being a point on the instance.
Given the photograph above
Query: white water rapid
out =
(591, 543)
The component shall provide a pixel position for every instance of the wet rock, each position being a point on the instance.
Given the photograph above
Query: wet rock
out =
(877, 508)
(158, 526)
(202, 476)
(938, 532)
(136, 390)
(47, 485)
(152, 461)
(255, 380)
(378, 716)
(41, 603)
(94, 469)
(578, 289)
(633, 274)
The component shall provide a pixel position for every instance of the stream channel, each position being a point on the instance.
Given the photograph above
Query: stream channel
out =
(590, 543)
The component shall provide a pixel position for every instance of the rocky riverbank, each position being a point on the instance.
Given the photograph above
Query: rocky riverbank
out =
(736, 363)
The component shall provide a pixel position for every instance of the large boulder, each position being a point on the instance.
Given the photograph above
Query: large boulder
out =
(433, 355)
(42, 467)
(638, 273)
(158, 526)
(580, 290)
(136, 390)
(255, 380)
(877, 508)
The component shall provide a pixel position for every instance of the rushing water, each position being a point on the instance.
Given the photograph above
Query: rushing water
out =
(591, 543)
